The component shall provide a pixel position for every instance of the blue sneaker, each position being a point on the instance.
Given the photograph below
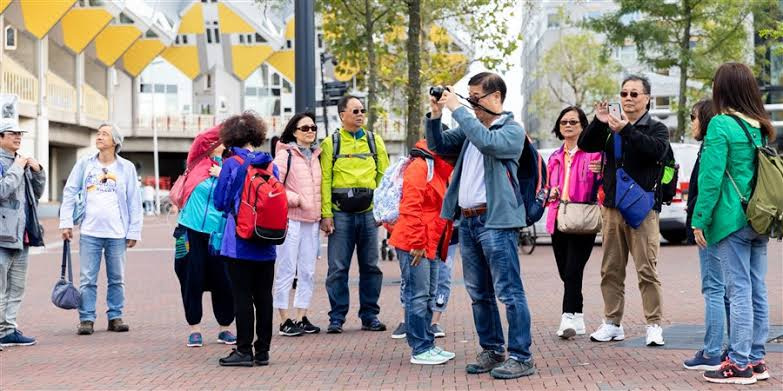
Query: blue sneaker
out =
(227, 338)
(195, 340)
(17, 339)
(701, 363)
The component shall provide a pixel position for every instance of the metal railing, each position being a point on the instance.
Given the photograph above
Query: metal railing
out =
(390, 130)
(187, 125)
(59, 94)
(95, 104)
(19, 81)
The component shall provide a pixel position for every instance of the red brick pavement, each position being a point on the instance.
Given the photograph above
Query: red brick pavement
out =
(153, 354)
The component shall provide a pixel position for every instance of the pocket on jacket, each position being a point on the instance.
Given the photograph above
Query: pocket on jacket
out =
(9, 224)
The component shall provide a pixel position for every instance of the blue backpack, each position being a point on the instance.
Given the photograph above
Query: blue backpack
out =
(532, 177)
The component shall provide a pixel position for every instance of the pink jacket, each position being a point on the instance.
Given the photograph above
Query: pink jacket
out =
(303, 186)
(582, 181)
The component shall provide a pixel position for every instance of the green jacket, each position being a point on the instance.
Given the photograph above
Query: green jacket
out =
(347, 172)
(719, 211)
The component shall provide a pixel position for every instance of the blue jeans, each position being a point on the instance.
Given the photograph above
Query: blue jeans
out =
(353, 230)
(716, 303)
(443, 285)
(420, 283)
(490, 264)
(743, 255)
(90, 251)
(443, 291)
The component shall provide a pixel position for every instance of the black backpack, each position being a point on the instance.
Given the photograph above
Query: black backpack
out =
(532, 177)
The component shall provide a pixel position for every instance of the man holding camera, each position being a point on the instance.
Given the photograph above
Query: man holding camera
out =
(353, 161)
(21, 185)
(482, 195)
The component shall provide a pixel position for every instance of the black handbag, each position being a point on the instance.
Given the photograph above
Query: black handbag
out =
(64, 294)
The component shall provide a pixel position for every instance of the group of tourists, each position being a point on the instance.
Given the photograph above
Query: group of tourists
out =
(459, 189)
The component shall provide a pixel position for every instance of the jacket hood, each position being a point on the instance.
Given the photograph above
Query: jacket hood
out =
(257, 158)
(441, 166)
(204, 143)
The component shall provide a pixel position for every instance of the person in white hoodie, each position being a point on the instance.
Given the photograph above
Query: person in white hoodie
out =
(99, 183)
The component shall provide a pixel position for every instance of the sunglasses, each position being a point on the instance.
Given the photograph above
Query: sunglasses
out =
(308, 128)
(571, 122)
(633, 94)
(473, 100)
(356, 111)
(105, 175)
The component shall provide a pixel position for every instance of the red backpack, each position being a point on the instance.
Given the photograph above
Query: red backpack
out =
(262, 215)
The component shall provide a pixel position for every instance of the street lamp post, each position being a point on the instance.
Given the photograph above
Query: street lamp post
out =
(325, 57)
(155, 155)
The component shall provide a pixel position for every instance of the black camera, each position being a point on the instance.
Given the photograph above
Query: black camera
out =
(437, 91)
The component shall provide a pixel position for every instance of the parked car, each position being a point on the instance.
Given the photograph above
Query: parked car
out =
(673, 216)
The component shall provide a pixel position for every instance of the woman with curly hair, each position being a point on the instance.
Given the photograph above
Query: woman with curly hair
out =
(251, 265)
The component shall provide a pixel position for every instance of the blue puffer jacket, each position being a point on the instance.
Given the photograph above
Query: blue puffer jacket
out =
(233, 246)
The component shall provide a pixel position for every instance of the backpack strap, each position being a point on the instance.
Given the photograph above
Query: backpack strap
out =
(370, 142)
(239, 179)
(745, 129)
(288, 167)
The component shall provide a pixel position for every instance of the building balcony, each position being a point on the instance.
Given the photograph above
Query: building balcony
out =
(95, 106)
(61, 99)
(19, 81)
(173, 126)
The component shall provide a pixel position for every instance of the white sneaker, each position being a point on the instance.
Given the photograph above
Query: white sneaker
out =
(566, 329)
(579, 323)
(608, 332)
(654, 335)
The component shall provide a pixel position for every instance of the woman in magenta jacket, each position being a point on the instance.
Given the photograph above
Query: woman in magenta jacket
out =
(572, 177)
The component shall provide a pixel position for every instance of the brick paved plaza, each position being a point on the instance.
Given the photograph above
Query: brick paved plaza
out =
(153, 354)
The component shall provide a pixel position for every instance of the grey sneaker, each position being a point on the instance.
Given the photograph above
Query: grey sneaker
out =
(512, 369)
(437, 331)
(485, 362)
(400, 332)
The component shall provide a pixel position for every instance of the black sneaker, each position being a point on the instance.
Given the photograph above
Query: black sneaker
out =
(308, 327)
(400, 332)
(290, 329)
(261, 358)
(374, 325)
(730, 373)
(760, 370)
(486, 361)
(335, 327)
(237, 359)
(512, 369)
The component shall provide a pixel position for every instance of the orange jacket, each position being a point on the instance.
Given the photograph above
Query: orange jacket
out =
(420, 225)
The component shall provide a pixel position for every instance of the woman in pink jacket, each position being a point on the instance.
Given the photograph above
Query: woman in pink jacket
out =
(300, 171)
(572, 178)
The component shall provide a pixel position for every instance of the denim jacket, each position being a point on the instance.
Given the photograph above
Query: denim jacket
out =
(13, 199)
(501, 146)
(128, 194)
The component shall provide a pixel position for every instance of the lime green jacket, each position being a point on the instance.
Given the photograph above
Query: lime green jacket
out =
(719, 210)
(347, 172)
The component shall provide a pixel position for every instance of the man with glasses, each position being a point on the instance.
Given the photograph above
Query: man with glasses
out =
(482, 195)
(645, 141)
(98, 184)
(21, 185)
(353, 161)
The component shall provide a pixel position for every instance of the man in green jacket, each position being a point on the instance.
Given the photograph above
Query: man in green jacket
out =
(353, 161)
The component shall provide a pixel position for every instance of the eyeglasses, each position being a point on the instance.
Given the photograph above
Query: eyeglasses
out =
(308, 128)
(571, 122)
(105, 175)
(633, 94)
(13, 133)
(473, 100)
(356, 111)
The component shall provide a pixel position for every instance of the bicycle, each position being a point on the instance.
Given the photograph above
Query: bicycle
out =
(527, 239)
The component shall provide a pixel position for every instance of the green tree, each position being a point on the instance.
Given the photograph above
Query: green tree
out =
(574, 72)
(694, 36)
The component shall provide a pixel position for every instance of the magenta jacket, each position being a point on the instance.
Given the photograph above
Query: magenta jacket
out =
(583, 181)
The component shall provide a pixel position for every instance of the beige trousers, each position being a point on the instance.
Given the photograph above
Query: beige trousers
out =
(643, 244)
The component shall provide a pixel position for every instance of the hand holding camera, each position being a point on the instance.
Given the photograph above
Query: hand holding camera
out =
(444, 96)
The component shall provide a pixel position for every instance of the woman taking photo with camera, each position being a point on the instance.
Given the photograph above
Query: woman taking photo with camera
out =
(573, 180)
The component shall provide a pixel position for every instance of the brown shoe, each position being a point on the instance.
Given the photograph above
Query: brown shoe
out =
(118, 326)
(85, 328)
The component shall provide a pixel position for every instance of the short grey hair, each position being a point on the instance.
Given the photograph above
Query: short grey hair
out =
(116, 135)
